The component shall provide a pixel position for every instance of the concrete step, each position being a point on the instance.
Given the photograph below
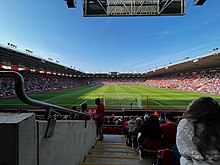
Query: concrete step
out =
(88, 163)
(111, 146)
(118, 153)
(113, 160)
(113, 151)
(109, 143)
(114, 138)
(122, 151)
(111, 157)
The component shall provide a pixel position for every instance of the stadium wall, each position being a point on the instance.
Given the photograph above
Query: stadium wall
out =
(18, 139)
(22, 140)
(69, 144)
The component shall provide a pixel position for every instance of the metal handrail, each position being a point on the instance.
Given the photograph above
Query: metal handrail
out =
(19, 89)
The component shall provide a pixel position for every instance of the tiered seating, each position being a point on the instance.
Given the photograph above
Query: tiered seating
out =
(112, 130)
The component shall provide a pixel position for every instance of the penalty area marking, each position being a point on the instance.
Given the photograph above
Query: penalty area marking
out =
(83, 102)
(157, 103)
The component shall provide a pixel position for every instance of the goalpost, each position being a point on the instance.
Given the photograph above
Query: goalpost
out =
(122, 101)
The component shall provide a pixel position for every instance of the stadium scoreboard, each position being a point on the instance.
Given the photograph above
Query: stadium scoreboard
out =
(133, 7)
(100, 8)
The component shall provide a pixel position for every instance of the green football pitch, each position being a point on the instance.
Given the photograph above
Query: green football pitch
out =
(157, 98)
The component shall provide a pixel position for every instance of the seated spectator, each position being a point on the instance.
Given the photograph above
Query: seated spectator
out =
(119, 121)
(133, 134)
(169, 131)
(73, 115)
(84, 110)
(146, 116)
(198, 133)
(125, 126)
(131, 123)
(150, 130)
(156, 114)
(106, 120)
(162, 118)
(111, 121)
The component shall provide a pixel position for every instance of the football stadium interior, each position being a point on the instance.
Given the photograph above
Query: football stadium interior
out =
(56, 88)
(42, 121)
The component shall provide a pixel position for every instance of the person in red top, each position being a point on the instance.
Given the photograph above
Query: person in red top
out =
(169, 130)
(125, 127)
(99, 117)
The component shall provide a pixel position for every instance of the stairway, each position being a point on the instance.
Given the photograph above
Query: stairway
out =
(113, 151)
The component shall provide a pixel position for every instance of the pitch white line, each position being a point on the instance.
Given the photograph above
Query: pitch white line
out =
(83, 102)
(157, 103)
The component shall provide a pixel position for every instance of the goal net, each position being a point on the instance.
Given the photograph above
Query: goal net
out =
(122, 101)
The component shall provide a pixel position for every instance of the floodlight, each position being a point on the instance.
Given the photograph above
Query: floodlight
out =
(71, 3)
(196, 60)
(199, 2)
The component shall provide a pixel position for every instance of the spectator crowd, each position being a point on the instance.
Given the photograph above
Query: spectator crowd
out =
(206, 81)
(36, 83)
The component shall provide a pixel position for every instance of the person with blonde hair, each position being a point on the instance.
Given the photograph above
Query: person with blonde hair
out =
(198, 133)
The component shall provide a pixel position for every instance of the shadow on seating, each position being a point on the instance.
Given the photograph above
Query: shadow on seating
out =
(150, 147)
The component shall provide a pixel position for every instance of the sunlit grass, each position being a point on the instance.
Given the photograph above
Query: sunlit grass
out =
(157, 98)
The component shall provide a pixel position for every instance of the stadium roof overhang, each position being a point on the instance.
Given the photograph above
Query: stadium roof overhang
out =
(209, 61)
(13, 57)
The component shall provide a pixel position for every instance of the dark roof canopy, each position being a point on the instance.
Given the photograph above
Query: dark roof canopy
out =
(209, 61)
(13, 57)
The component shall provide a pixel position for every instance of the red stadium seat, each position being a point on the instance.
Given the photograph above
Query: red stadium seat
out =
(164, 157)
(150, 147)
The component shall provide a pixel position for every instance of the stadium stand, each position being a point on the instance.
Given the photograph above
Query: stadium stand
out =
(205, 80)
(37, 82)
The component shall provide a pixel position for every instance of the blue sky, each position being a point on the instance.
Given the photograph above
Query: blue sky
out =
(105, 44)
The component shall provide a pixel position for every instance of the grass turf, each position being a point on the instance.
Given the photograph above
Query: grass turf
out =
(157, 98)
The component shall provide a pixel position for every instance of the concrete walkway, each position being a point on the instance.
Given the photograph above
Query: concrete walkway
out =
(113, 151)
